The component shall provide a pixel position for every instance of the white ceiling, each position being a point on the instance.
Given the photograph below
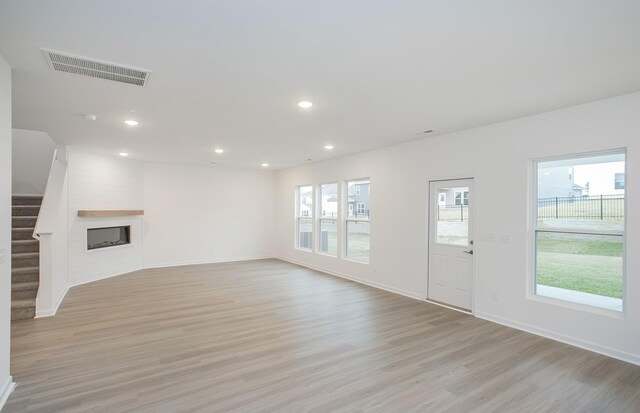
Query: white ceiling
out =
(229, 73)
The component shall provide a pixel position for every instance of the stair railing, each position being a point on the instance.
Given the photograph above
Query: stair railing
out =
(53, 280)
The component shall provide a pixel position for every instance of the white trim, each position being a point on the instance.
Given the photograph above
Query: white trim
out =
(460, 310)
(202, 262)
(6, 391)
(35, 195)
(73, 283)
(586, 345)
(356, 279)
(52, 311)
(604, 350)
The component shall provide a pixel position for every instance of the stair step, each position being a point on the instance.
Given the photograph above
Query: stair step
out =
(27, 245)
(25, 259)
(23, 308)
(23, 222)
(28, 285)
(23, 313)
(25, 274)
(25, 210)
(23, 303)
(24, 290)
(21, 234)
(26, 200)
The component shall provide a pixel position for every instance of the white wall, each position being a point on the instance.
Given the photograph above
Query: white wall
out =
(97, 181)
(498, 157)
(197, 214)
(5, 229)
(193, 214)
(32, 153)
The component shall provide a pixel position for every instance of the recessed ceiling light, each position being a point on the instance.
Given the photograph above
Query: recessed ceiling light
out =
(123, 154)
(328, 147)
(90, 116)
(131, 122)
(218, 150)
(305, 104)
(265, 165)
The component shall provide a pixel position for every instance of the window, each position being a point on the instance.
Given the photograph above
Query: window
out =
(461, 197)
(619, 181)
(328, 234)
(304, 217)
(357, 223)
(452, 220)
(579, 239)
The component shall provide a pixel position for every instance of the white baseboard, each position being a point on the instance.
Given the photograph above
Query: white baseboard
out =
(358, 280)
(586, 345)
(607, 351)
(102, 277)
(6, 391)
(204, 262)
(52, 311)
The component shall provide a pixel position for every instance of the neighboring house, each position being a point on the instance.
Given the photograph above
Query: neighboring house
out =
(559, 182)
(330, 206)
(605, 179)
(306, 203)
(359, 200)
(453, 197)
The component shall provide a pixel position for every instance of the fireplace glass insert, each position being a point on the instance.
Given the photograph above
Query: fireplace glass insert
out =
(108, 237)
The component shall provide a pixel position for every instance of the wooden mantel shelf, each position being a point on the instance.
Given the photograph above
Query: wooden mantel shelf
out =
(102, 213)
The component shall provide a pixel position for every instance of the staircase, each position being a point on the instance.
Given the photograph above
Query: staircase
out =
(25, 257)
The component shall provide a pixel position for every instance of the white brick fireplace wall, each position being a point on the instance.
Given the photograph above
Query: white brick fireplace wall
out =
(99, 181)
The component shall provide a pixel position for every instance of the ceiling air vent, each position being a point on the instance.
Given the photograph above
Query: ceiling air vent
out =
(85, 66)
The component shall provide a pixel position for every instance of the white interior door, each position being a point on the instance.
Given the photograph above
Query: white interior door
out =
(451, 234)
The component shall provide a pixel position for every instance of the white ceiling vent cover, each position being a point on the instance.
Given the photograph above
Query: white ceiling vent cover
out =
(85, 66)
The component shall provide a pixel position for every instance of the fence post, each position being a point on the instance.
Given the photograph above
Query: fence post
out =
(557, 216)
(601, 208)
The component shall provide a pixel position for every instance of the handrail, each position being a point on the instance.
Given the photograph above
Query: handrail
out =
(51, 199)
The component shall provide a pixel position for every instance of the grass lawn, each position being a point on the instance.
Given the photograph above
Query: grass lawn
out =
(587, 264)
(358, 246)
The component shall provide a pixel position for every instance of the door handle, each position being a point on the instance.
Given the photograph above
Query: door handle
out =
(470, 252)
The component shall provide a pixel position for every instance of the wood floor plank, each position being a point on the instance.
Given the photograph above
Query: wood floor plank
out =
(269, 336)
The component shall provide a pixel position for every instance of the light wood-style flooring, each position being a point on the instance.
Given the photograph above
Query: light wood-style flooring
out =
(269, 336)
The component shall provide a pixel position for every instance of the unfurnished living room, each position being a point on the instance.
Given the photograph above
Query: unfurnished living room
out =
(319, 206)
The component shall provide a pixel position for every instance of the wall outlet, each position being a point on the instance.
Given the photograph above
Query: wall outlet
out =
(505, 238)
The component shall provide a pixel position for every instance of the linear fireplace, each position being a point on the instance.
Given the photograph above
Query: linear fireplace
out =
(108, 237)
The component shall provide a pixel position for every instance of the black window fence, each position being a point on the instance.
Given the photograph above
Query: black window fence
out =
(582, 207)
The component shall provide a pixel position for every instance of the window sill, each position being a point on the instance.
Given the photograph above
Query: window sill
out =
(577, 306)
(356, 261)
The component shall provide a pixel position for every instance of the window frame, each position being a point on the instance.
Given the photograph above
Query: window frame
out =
(299, 216)
(346, 219)
(320, 218)
(531, 292)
